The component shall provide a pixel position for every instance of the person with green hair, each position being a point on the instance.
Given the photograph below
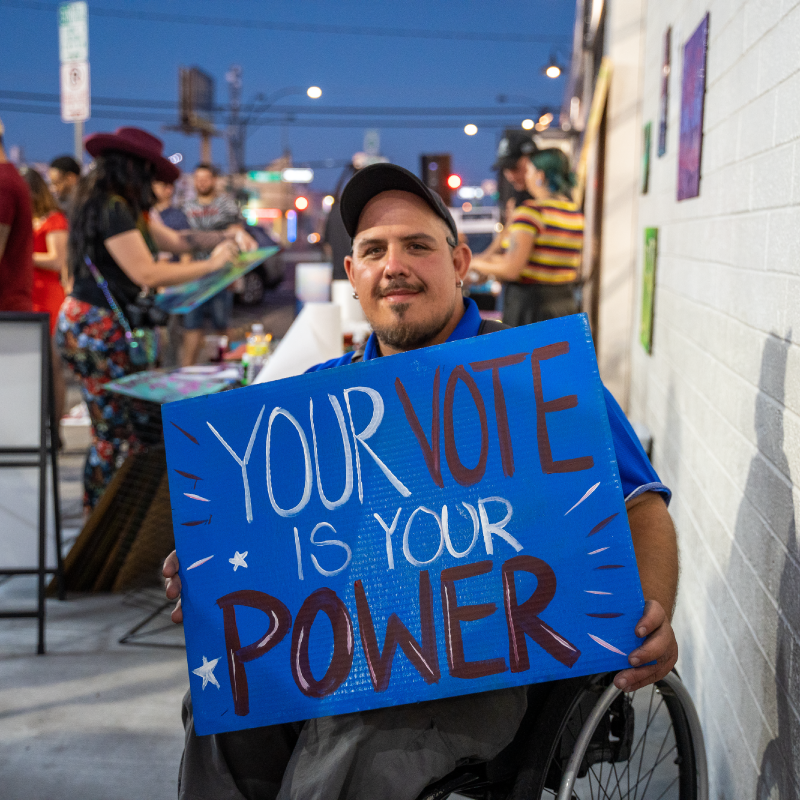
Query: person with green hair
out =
(541, 264)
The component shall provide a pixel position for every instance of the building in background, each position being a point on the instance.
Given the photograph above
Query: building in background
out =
(697, 335)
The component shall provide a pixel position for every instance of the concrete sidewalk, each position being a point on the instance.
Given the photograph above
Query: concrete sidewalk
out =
(92, 719)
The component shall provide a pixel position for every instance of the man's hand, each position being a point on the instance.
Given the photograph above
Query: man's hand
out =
(659, 646)
(656, 548)
(173, 584)
(245, 242)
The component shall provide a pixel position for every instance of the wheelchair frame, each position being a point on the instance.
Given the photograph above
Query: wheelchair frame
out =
(532, 777)
(674, 683)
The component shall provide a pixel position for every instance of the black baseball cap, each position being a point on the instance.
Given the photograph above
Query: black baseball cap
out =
(376, 178)
(512, 147)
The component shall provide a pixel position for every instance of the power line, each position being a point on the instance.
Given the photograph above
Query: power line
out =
(394, 111)
(99, 114)
(307, 122)
(301, 27)
(52, 97)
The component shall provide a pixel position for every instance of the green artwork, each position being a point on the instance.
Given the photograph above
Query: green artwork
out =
(165, 385)
(648, 135)
(648, 287)
(187, 296)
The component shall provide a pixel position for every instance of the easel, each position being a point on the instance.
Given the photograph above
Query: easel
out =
(27, 335)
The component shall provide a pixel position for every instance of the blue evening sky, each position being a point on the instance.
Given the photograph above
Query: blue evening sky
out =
(139, 59)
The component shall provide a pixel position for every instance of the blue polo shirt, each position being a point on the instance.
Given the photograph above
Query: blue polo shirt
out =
(635, 470)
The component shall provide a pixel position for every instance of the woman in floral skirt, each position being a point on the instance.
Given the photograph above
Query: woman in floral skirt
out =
(111, 253)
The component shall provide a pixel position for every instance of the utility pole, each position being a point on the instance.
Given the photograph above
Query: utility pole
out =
(78, 141)
(235, 128)
(205, 147)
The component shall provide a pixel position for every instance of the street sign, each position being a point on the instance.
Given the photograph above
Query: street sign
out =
(297, 175)
(73, 32)
(75, 103)
(196, 99)
(264, 176)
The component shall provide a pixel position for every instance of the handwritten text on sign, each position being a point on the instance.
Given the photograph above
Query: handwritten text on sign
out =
(435, 523)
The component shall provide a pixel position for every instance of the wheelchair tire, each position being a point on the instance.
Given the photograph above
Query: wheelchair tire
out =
(591, 740)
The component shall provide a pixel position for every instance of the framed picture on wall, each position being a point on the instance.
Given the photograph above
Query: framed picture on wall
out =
(663, 106)
(648, 288)
(647, 142)
(693, 90)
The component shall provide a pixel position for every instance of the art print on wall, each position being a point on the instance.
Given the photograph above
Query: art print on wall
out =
(646, 146)
(692, 102)
(663, 108)
(648, 288)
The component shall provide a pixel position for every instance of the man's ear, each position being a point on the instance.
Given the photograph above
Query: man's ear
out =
(348, 268)
(462, 256)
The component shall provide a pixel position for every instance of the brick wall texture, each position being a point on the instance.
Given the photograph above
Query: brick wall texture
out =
(721, 390)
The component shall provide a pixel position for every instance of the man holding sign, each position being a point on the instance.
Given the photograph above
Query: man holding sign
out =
(347, 723)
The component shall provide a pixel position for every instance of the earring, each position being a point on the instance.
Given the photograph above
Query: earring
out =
(355, 295)
(459, 284)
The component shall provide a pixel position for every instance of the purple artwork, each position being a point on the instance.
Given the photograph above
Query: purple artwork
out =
(663, 109)
(692, 101)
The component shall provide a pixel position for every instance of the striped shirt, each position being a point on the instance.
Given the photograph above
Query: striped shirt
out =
(557, 227)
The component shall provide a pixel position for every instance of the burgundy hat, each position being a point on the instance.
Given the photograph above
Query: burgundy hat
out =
(138, 143)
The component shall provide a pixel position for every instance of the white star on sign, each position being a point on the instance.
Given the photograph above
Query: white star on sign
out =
(238, 560)
(206, 672)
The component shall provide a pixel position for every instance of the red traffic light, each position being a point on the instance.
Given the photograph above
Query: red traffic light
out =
(454, 181)
(301, 203)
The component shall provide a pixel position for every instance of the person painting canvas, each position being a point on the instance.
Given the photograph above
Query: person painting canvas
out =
(407, 269)
(541, 264)
(112, 256)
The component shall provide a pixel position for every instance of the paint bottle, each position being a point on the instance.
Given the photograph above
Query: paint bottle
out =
(256, 352)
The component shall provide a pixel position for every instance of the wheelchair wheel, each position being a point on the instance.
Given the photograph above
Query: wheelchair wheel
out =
(584, 739)
(646, 745)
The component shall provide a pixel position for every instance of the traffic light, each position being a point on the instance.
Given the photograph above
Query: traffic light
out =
(301, 203)
(454, 181)
(435, 174)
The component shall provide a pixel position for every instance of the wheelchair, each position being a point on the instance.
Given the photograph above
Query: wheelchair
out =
(584, 738)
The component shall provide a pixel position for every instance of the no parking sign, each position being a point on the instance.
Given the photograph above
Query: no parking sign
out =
(435, 523)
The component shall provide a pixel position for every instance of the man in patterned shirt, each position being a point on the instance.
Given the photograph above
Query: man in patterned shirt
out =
(211, 210)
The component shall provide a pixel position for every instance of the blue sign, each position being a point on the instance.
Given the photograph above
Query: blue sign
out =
(445, 521)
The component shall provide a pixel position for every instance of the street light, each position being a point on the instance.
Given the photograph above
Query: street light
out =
(527, 124)
(257, 111)
(553, 68)
(238, 129)
(470, 129)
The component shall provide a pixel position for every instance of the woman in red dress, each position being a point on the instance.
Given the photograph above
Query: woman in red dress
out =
(50, 233)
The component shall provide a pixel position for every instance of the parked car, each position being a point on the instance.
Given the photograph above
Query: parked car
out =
(480, 225)
(251, 289)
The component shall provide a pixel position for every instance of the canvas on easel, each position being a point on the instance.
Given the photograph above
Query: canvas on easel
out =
(30, 530)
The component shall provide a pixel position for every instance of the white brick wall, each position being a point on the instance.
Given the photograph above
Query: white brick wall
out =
(721, 392)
